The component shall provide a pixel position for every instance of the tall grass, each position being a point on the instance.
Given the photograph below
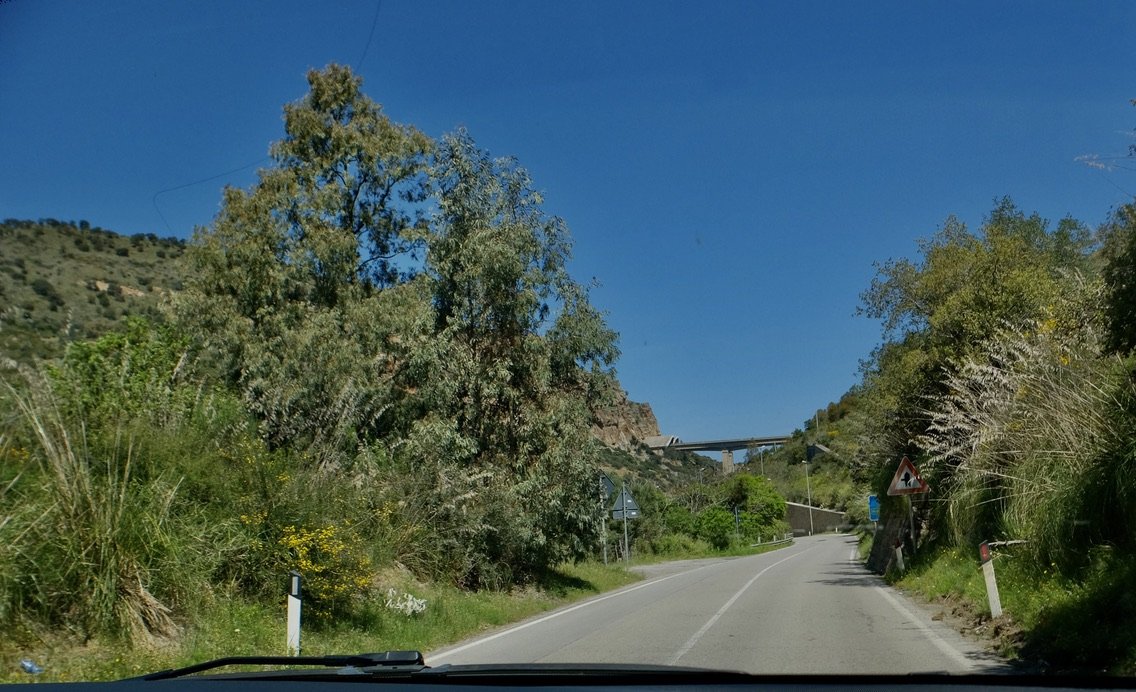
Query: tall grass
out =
(1030, 442)
(91, 534)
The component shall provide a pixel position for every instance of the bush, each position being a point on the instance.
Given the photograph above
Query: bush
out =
(716, 527)
(677, 545)
(333, 563)
(107, 551)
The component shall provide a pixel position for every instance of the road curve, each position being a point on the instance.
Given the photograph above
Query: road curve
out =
(807, 608)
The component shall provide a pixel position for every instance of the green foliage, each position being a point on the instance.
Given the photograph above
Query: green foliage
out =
(297, 263)
(1119, 253)
(1032, 440)
(125, 375)
(716, 527)
(379, 357)
(99, 544)
(757, 498)
(964, 290)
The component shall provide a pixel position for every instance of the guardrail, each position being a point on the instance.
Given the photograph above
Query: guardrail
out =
(779, 541)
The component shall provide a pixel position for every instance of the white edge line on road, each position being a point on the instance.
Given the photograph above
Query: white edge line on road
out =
(558, 613)
(721, 611)
(951, 652)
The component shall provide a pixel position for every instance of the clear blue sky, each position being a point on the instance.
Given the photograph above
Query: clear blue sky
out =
(730, 170)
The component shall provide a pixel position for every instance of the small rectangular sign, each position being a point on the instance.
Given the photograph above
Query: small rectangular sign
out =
(873, 508)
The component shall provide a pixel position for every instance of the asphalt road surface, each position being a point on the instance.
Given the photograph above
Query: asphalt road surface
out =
(807, 608)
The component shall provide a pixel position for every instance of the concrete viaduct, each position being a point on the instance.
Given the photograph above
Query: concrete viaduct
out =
(660, 443)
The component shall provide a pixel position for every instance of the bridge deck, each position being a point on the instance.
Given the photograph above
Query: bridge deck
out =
(726, 445)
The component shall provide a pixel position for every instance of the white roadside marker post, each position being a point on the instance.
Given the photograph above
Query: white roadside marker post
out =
(991, 583)
(294, 603)
(899, 556)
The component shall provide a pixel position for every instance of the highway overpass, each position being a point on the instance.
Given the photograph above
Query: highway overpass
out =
(727, 447)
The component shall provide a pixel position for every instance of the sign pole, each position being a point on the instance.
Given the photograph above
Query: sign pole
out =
(626, 545)
(603, 533)
(603, 517)
(911, 522)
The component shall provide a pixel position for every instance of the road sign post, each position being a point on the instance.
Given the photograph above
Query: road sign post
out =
(908, 482)
(606, 489)
(625, 508)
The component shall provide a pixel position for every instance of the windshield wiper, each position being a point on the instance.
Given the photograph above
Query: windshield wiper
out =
(392, 660)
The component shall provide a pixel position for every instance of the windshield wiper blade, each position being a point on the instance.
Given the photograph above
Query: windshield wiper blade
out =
(383, 659)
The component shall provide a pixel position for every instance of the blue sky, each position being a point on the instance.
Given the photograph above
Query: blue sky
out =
(730, 170)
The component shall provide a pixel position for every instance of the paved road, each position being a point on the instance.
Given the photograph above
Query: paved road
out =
(807, 608)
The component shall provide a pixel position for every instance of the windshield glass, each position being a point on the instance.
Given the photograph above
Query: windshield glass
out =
(773, 337)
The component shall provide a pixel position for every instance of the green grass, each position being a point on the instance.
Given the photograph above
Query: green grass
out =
(1077, 623)
(231, 627)
(864, 547)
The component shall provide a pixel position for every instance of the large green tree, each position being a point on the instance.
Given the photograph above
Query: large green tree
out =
(517, 353)
(294, 290)
(400, 310)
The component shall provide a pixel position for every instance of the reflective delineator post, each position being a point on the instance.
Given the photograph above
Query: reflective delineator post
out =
(899, 556)
(991, 583)
(294, 613)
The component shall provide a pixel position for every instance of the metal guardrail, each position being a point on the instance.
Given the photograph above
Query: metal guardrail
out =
(777, 542)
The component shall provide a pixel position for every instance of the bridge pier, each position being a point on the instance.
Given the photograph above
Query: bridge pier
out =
(727, 462)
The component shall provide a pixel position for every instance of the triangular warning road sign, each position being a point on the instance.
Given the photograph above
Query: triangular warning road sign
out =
(625, 501)
(907, 480)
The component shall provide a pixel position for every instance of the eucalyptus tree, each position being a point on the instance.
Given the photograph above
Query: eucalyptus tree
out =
(517, 354)
(377, 295)
(301, 290)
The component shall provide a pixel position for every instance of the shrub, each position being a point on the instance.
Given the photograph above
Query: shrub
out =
(678, 544)
(716, 527)
(333, 563)
(107, 552)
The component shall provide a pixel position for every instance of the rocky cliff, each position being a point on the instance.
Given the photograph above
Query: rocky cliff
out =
(625, 423)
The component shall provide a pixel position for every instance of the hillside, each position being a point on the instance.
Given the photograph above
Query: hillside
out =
(61, 281)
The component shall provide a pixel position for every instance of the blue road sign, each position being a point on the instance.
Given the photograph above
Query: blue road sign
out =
(873, 508)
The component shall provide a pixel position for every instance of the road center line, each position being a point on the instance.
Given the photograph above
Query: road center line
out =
(721, 611)
(558, 613)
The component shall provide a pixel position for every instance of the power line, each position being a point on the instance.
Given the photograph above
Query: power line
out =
(154, 199)
(374, 23)
(358, 67)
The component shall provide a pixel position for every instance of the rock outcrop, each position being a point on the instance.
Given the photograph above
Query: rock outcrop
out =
(625, 423)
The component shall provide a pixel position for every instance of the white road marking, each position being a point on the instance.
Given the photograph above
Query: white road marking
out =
(721, 611)
(558, 613)
(951, 652)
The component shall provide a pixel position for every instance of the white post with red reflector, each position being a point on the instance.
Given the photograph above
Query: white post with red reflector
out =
(991, 582)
